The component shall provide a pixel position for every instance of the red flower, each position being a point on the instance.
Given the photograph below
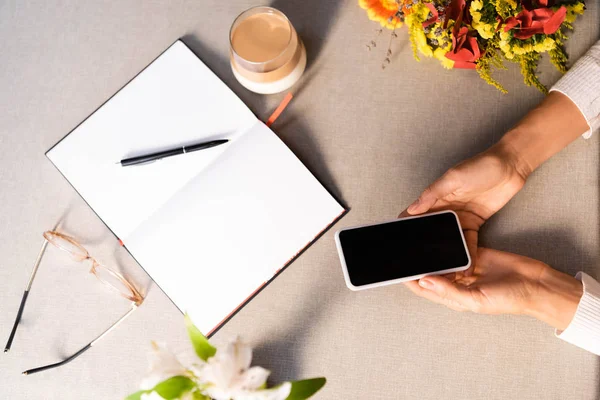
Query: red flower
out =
(531, 4)
(458, 11)
(528, 23)
(434, 13)
(465, 50)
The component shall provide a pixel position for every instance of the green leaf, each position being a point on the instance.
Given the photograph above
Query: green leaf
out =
(203, 348)
(174, 387)
(306, 388)
(136, 395)
(199, 396)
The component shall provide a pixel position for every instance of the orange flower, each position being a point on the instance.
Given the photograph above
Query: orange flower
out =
(382, 11)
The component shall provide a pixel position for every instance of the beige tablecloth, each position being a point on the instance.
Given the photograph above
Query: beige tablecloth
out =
(375, 138)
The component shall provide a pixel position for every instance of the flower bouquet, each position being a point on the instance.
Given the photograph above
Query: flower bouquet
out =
(223, 374)
(481, 34)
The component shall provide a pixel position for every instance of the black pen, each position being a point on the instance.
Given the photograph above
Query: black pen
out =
(147, 158)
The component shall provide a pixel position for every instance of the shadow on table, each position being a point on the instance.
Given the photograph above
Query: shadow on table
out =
(69, 224)
(301, 140)
(280, 353)
(219, 64)
(554, 247)
(313, 20)
(437, 156)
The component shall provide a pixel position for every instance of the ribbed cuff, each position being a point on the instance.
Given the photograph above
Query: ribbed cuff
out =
(584, 329)
(582, 85)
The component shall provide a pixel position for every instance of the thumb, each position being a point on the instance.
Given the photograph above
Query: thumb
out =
(455, 296)
(437, 190)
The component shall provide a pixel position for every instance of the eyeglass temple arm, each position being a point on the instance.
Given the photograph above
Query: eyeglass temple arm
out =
(24, 298)
(86, 347)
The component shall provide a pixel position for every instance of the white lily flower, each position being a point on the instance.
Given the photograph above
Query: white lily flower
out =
(151, 396)
(280, 392)
(156, 396)
(163, 365)
(228, 376)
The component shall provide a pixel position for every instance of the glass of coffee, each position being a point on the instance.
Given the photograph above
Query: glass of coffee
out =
(266, 54)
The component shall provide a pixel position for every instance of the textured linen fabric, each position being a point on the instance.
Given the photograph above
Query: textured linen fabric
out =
(582, 85)
(584, 329)
(375, 138)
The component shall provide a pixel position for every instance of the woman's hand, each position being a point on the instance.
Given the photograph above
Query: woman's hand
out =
(505, 283)
(475, 189)
(482, 185)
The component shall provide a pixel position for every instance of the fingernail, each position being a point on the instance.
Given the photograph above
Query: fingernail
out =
(426, 283)
(413, 205)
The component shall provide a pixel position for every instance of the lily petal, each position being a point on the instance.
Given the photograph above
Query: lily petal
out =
(163, 365)
(242, 354)
(224, 369)
(280, 392)
(253, 378)
(218, 393)
(151, 396)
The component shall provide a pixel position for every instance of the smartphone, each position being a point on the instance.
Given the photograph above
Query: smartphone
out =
(402, 250)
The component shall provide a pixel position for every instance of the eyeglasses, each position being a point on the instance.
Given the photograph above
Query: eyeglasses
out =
(114, 280)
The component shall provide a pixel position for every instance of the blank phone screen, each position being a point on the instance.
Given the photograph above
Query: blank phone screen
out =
(403, 248)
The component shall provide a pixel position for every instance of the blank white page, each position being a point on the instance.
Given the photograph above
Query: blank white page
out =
(232, 227)
(175, 101)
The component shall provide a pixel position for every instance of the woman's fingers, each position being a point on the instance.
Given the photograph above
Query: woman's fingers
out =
(431, 296)
(404, 214)
(489, 258)
(444, 186)
(453, 295)
(452, 276)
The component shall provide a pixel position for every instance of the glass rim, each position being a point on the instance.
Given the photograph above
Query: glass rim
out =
(133, 295)
(267, 8)
(49, 234)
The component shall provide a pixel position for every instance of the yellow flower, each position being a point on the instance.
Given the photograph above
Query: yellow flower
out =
(574, 10)
(440, 54)
(547, 45)
(414, 20)
(420, 11)
(422, 43)
(522, 49)
(486, 31)
(476, 5)
(505, 46)
(519, 50)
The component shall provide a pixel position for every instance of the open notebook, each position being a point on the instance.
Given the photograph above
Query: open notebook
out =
(211, 227)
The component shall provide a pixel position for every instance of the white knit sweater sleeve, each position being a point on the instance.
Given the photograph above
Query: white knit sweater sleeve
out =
(584, 329)
(582, 85)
